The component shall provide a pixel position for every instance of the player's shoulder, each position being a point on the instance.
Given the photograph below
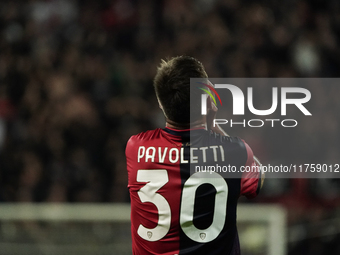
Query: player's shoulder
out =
(227, 140)
(233, 145)
(143, 136)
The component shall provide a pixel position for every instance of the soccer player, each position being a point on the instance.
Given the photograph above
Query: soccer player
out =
(174, 209)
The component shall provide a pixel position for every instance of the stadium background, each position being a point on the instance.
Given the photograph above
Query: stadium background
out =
(76, 83)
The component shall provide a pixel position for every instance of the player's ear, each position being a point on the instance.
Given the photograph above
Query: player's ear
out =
(210, 103)
(211, 107)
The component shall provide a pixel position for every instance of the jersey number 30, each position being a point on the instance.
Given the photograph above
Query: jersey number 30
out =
(156, 179)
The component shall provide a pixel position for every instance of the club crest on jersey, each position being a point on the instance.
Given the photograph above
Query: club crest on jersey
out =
(202, 236)
(149, 233)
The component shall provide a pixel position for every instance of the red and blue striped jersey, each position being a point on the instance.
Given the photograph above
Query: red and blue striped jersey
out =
(183, 197)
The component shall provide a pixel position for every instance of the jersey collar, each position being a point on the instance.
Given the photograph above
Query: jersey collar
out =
(184, 132)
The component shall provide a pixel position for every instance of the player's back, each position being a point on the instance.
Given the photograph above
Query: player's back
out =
(177, 206)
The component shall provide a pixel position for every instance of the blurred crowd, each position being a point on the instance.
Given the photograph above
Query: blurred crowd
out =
(76, 83)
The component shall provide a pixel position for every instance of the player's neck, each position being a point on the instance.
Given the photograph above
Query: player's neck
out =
(174, 125)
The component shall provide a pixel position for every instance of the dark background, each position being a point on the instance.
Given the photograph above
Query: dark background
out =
(76, 83)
